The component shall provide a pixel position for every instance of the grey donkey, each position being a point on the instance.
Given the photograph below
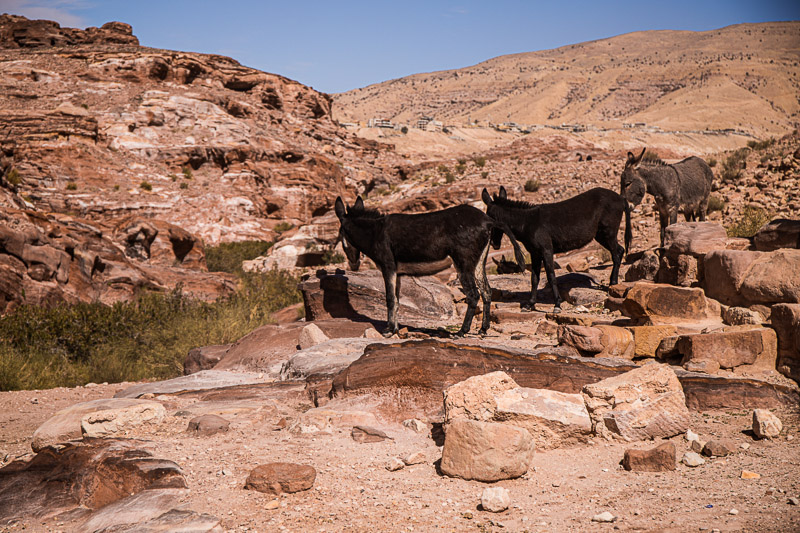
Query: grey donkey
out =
(683, 186)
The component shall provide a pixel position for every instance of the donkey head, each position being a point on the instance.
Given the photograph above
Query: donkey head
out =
(491, 210)
(631, 183)
(342, 212)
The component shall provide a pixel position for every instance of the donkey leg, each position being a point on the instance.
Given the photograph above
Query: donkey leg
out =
(536, 268)
(390, 284)
(551, 279)
(616, 256)
(485, 291)
(471, 292)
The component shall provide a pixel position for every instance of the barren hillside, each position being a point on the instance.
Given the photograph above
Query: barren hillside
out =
(744, 77)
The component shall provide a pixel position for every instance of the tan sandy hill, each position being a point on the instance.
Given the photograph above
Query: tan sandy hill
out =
(743, 77)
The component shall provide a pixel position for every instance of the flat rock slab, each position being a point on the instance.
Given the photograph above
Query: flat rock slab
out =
(203, 380)
(325, 359)
(267, 348)
(174, 520)
(275, 478)
(364, 434)
(432, 365)
(729, 349)
(55, 481)
(66, 424)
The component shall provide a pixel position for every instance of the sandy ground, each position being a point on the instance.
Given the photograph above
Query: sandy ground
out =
(354, 491)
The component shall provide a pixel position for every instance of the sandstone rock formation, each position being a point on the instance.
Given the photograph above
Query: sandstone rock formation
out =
(745, 278)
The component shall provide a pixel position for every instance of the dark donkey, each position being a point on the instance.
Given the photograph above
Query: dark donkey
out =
(683, 186)
(546, 229)
(393, 241)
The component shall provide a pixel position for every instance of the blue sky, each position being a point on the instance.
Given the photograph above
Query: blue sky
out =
(337, 45)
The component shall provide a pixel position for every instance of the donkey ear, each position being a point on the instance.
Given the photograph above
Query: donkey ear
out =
(486, 197)
(359, 205)
(502, 194)
(339, 208)
(640, 156)
(630, 159)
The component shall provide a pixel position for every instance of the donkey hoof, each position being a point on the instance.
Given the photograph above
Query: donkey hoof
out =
(557, 309)
(482, 332)
(528, 307)
(459, 334)
(388, 333)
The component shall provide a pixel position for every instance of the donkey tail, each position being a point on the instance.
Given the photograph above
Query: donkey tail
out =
(628, 232)
(518, 255)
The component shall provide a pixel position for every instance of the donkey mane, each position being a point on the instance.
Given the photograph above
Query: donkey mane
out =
(365, 213)
(652, 159)
(514, 204)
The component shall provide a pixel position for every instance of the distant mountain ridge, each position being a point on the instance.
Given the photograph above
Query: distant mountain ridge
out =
(745, 77)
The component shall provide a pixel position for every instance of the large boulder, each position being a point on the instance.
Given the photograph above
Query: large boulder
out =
(474, 398)
(648, 300)
(424, 301)
(553, 418)
(486, 451)
(601, 340)
(744, 278)
(647, 338)
(662, 458)
(786, 321)
(694, 238)
(644, 403)
(275, 478)
(780, 233)
(730, 349)
(67, 424)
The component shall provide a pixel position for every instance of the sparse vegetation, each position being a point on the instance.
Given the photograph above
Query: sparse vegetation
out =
(332, 257)
(187, 172)
(184, 185)
(149, 338)
(72, 186)
(404, 130)
(228, 256)
(761, 145)
(116, 187)
(715, 203)
(146, 186)
(479, 161)
(449, 177)
(442, 169)
(712, 162)
(532, 185)
(460, 168)
(484, 174)
(280, 227)
(733, 165)
(13, 177)
(751, 220)
(173, 177)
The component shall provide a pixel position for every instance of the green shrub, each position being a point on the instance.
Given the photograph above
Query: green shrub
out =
(461, 161)
(484, 174)
(460, 168)
(173, 177)
(750, 222)
(712, 162)
(149, 338)
(187, 172)
(13, 177)
(733, 164)
(449, 177)
(404, 130)
(280, 227)
(761, 145)
(532, 185)
(145, 185)
(442, 169)
(715, 203)
(116, 187)
(72, 186)
(479, 161)
(331, 257)
(184, 185)
(229, 256)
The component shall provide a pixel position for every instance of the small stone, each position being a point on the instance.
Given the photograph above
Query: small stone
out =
(794, 501)
(226, 472)
(744, 446)
(310, 336)
(692, 459)
(605, 516)
(697, 446)
(495, 499)
(765, 424)
(789, 437)
(372, 333)
(271, 505)
(208, 425)
(368, 434)
(274, 478)
(414, 458)
(746, 474)
(734, 512)
(691, 435)
(658, 459)
(395, 464)
(415, 425)
(719, 448)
